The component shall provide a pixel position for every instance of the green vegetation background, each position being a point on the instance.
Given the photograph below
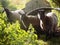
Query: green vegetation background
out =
(12, 34)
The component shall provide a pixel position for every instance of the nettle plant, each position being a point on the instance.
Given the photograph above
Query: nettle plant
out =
(12, 34)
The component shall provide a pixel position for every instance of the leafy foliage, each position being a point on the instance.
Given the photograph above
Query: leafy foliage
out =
(55, 4)
(12, 34)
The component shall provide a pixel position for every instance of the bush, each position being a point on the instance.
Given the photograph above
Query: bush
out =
(12, 34)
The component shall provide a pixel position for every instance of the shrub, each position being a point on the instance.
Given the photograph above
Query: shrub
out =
(12, 34)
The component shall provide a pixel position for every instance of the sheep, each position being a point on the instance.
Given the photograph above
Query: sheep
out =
(22, 18)
(49, 23)
(26, 18)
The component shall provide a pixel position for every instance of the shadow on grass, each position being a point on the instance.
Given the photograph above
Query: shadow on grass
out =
(52, 41)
